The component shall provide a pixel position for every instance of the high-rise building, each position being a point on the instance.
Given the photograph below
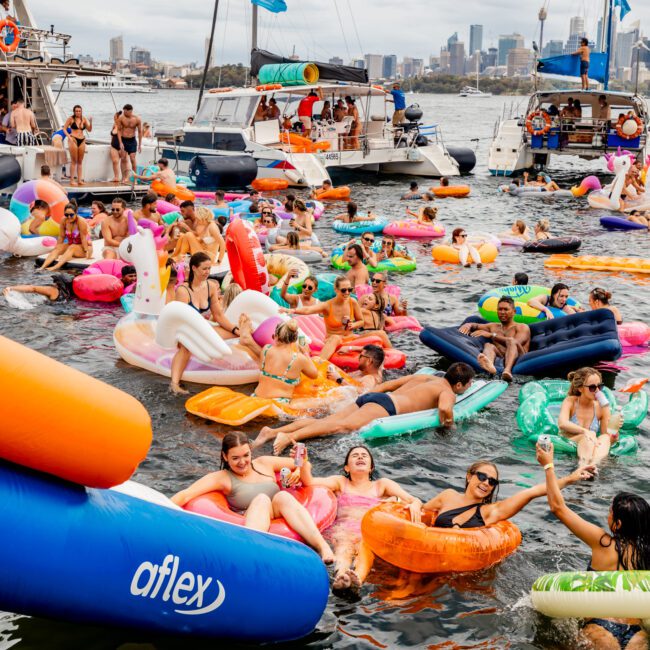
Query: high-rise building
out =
(518, 62)
(140, 56)
(452, 39)
(374, 65)
(625, 42)
(490, 59)
(359, 63)
(116, 48)
(418, 67)
(389, 66)
(475, 38)
(577, 25)
(474, 64)
(205, 53)
(457, 58)
(508, 42)
(644, 54)
(445, 60)
(336, 60)
(553, 48)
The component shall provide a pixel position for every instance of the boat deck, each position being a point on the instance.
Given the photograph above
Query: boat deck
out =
(104, 189)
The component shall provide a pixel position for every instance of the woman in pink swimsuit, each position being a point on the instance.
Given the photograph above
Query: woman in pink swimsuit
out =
(357, 491)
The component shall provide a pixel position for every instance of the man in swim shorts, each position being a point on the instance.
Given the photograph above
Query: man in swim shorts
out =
(583, 53)
(115, 229)
(506, 339)
(23, 121)
(127, 125)
(407, 394)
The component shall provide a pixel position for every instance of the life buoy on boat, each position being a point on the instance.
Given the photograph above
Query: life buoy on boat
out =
(624, 119)
(10, 25)
(268, 87)
(219, 90)
(538, 123)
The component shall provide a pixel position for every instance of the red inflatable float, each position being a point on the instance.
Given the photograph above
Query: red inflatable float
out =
(106, 267)
(246, 257)
(97, 287)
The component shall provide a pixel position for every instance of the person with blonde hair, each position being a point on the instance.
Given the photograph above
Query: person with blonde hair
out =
(542, 230)
(204, 238)
(229, 294)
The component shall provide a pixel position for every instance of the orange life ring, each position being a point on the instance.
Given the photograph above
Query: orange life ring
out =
(246, 257)
(220, 90)
(622, 120)
(179, 191)
(268, 87)
(535, 117)
(269, 184)
(14, 28)
(390, 534)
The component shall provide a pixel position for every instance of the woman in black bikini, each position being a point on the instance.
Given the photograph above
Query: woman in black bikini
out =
(625, 546)
(118, 155)
(476, 506)
(75, 127)
(202, 294)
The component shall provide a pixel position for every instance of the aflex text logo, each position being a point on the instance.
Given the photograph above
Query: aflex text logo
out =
(185, 589)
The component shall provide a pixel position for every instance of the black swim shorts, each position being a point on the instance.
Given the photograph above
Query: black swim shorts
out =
(130, 144)
(381, 399)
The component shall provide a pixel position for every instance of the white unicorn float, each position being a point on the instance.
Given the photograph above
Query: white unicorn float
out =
(609, 197)
(148, 336)
(13, 242)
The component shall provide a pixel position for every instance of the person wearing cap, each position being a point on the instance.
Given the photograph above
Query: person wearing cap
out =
(399, 100)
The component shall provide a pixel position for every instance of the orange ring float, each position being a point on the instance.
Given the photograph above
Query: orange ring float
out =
(269, 184)
(14, 28)
(535, 116)
(268, 87)
(622, 120)
(246, 257)
(390, 534)
(449, 254)
(219, 90)
(179, 191)
(333, 194)
(456, 191)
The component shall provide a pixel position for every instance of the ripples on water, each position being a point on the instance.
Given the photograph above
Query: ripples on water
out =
(489, 609)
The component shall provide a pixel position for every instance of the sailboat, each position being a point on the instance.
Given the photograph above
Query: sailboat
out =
(470, 91)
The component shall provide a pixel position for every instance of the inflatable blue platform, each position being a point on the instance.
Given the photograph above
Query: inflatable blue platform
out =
(109, 558)
(556, 346)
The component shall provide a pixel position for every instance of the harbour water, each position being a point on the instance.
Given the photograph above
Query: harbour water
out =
(488, 609)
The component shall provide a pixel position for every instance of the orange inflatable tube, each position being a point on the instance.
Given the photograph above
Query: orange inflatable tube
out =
(455, 191)
(450, 255)
(269, 184)
(333, 194)
(61, 421)
(392, 536)
(179, 191)
(599, 263)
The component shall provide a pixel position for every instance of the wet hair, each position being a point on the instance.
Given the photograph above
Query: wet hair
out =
(293, 240)
(100, 206)
(119, 201)
(473, 468)
(352, 209)
(373, 474)
(506, 299)
(40, 204)
(521, 278)
(444, 181)
(286, 332)
(230, 441)
(357, 249)
(578, 378)
(544, 225)
(455, 234)
(254, 207)
(313, 279)
(375, 353)
(430, 213)
(149, 199)
(555, 289)
(459, 372)
(229, 294)
(340, 279)
(186, 204)
(163, 161)
(222, 222)
(601, 295)
(45, 170)
(129, 269)
(298, 204)
(127, 107)
(631, 534)
(196, 260)
(521, 226)
(413, 185)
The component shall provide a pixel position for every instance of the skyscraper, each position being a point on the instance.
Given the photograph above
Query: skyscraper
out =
(389, 66)
(205, 53)
(553, 48)
(577, 25)
(508, 42)
(374, 65)
(457, 58)
(625, 44)
(452, 39)
(116, 48)
(475, 38)
(518, 62)
(140, 56)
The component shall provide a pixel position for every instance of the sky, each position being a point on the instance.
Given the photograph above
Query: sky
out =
(318, 29)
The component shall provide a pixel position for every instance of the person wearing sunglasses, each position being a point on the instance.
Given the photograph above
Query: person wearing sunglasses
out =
(583, 416)
(303, 299)
(477, 506)
(358, 273)
(205, 237)
(73, 240)
(393, 306)
(149, 210)
(389, 249)
(366, 242)
(115, 229)
(465, 250)
(267, 221)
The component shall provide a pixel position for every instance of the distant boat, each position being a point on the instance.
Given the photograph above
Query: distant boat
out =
(118, 83)
(470, 91)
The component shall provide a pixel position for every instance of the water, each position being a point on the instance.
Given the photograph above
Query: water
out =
(489, 609)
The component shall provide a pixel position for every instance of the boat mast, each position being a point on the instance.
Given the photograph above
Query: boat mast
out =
(254, 37)
(610, 13)
(208, 55)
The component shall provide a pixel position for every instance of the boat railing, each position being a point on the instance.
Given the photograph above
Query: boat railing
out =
(38, 46)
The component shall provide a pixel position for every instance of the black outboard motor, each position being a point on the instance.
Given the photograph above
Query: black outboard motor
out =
(10, 172)
(465, 157)
(222, 172)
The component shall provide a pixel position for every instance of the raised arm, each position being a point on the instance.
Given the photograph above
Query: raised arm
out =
(292, 299)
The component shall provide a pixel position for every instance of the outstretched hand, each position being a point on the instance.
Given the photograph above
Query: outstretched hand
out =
(544, 457)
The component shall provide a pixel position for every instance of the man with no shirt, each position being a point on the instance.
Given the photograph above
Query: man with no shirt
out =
(115, 229)
(164, 174)
(23, 121)
(404, 395)
(507, 340)
(127, 125)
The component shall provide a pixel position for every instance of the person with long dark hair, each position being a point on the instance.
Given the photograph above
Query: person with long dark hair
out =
(623, 546)
(76, 126)
(557, 300)
(250, 487)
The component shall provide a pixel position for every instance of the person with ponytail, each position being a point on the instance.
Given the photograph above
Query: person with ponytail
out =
(251, 489)
(202, 294)
(599, 299)
(623, 546)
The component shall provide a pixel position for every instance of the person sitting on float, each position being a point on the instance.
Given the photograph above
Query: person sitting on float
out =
(394, 307)
(425, 215)
(73, 240)
(465, 250)
(370, 372)
(301, 222)
(269, 221)
(557, 300)
(202, 294)
(250, 487)
(325, 187)
(585, 417)
(204, 237)
(351, 214)
(389, 250)
(303, 299)
(366, 242)
(357, 490)
(358, 272)
(623, 546)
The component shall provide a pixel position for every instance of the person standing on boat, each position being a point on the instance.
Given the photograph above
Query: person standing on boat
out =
(76, 126)
(306, 109)
(355, 126)
(23, 121)
(399, 100)
(583, 53)
(127, 125)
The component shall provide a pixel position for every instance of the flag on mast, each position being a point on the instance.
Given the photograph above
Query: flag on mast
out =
(277, 6)
(625, 7)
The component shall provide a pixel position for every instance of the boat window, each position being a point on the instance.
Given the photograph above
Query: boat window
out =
(226, 111)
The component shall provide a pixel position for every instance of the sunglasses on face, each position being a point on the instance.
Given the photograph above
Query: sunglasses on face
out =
(594, 387)
(69, 214)
(346, 290)
(482, 477)
(463, 235)
(369, 240)
(116, 209)
(376, 280)
(307, 287)
(266, 212)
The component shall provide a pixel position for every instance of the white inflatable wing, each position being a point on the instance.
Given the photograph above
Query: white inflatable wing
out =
(255, 305)
(180, 323)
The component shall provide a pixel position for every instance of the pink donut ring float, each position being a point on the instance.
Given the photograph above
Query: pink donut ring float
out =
(413, 229)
